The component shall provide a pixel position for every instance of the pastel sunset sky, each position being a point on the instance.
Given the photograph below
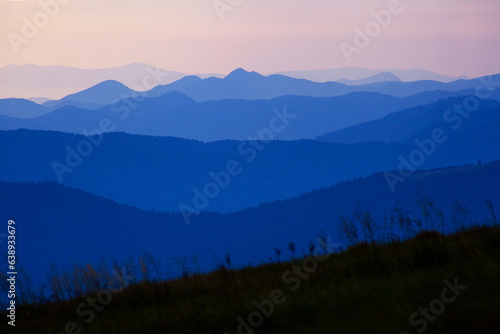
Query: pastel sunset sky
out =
(453, 37)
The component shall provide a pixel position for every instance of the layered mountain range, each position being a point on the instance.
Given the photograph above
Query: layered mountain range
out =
(242, 164)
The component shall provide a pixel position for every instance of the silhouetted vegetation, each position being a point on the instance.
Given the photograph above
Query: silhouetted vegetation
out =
(371, 287)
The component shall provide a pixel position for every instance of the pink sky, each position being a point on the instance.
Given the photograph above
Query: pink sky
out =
(453, 37)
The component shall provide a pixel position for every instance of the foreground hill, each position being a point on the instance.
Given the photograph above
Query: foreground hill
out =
(61, 225)
(432, 283)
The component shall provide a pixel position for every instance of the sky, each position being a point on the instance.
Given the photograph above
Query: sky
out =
(452, 37)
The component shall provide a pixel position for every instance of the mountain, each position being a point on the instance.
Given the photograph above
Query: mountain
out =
(175, 86)
(380, 77)
(355, 73)
(7, 123)
(54, 82)
(115, 232)
(241, 84)
(399, 125)
(175, 114)
(95, 97)
(110, 91)
(57, 81)
(169, 174)
(21, 108)
(161, 173)
(39, 100)
(420, 74)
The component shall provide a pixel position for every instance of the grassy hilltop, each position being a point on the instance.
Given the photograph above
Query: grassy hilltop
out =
(369, 288)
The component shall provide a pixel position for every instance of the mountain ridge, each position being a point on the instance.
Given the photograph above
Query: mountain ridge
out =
(299, 220)
(172, 168)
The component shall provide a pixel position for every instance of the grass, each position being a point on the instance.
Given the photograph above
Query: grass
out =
(369, 288)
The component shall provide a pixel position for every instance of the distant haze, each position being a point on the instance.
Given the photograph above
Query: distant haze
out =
(449, 37)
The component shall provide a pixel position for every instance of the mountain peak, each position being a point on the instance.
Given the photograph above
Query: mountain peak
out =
(101, 94)
(109, 84)
(175, 98)
(240, 73)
